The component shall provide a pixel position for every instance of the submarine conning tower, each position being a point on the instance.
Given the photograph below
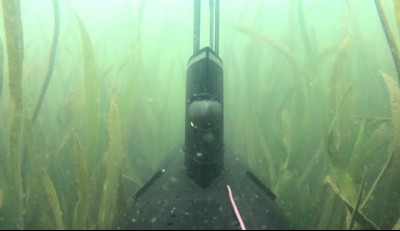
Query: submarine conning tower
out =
(204, 127)
(204, 119)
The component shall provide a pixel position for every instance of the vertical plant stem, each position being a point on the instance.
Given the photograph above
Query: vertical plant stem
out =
(394, 49)
(396, 4)
(355, 211)
(15, 51)
(92, 94)
(53, 198)
(81, 213)
(307, 43)
(51, 59)
(377, 180)
(391, 212)
(113, 160)
(1, 66)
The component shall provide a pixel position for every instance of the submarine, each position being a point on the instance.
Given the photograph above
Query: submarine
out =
(203, 184)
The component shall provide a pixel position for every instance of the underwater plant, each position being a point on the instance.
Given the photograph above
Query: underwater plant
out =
(51, 59)
(15, 54)
(311, 104)
(336, 167)
(1, 66)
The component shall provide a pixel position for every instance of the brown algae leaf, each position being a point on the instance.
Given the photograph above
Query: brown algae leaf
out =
(15, 51)
(1, 66)
(391, 212)
(1, 198)
(362, 220)
(113, 161)
(394, 96)
(81, 213)
(53, 199)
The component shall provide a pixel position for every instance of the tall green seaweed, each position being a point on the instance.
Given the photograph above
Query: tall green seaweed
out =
(391, 212)
(331, 161)
(397, 13)
(394, 49)
(310, 51)
(1, 66)
(81, 211)
(53, 199)
(50, 67)
(113, 165)
(92, 91)
(15, 52)
(339, 149)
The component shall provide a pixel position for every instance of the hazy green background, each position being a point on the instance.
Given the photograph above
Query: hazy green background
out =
(280, 99)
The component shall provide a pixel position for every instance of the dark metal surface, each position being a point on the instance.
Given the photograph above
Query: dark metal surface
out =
(204, 125)
(173, 201)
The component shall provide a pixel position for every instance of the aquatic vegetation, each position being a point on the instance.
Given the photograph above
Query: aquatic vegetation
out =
(391, 211)
(310, 52)
(1, 198)
(305, 108)
(389, 36)
(53, 199)
(81, 211)
(1, 66)
(363, 221)
(397, 12)
(15, 52)
(328, 139)
(113, 163)
(270, 41)
(51, 59)
(91, 93)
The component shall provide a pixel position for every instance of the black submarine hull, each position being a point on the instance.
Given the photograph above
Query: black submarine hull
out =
(172, 200)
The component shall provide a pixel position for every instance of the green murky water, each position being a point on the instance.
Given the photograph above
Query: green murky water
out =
(311, 101)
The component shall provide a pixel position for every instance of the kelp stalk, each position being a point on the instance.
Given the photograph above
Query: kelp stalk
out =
(113, 160)
(1, 66)
(362, 220)
(81, 213)
(307, 43)
(15, 52)
(357, 205)
(391, 212)
(50, 67)
(394, 49)
(396, 4)
(53, 199)
(92, 93)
